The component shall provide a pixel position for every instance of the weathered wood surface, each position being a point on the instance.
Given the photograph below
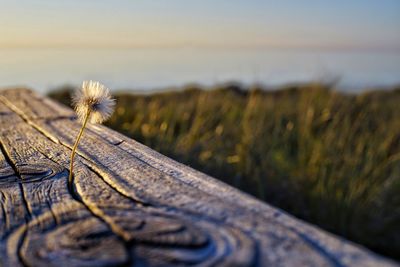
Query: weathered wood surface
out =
(131, 206)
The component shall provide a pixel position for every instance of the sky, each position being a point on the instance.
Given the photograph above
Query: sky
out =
(210, 23)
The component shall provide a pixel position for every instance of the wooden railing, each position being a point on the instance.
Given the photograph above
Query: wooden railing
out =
(131, 206)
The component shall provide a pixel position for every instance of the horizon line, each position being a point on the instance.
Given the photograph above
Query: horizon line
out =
(340, 47)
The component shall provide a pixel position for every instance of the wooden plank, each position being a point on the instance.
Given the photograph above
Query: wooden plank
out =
(147, 225)
(155, 226)
(143, 208)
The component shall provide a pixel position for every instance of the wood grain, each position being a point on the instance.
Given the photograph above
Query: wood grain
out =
(132, 206)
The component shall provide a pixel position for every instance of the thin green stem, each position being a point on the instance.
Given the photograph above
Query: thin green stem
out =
(78, 138)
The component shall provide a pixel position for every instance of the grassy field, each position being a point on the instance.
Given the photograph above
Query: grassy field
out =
(330, 158)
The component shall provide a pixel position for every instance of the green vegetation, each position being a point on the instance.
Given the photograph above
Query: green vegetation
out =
(330, 158)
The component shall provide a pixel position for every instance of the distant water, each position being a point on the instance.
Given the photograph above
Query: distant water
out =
(147, 69)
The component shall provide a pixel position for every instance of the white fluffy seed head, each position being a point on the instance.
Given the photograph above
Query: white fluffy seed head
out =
(95, 97)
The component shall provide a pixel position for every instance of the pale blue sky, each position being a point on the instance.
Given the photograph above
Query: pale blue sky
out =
(236, 23)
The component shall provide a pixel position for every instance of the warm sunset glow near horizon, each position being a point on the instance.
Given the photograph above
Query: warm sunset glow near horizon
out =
(175, 23)
(156, 44)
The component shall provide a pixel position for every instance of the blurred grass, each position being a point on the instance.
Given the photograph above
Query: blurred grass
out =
(330, 158)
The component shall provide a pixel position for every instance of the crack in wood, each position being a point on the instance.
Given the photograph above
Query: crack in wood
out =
(16, 171)
(27, 207)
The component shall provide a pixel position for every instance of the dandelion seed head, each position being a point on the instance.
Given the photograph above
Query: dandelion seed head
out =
(95, 97)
